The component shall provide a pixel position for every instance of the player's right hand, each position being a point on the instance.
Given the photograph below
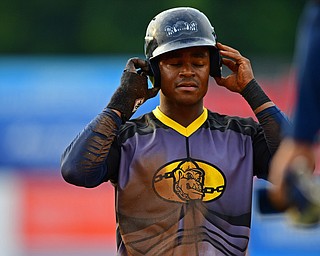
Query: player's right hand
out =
(133, 90)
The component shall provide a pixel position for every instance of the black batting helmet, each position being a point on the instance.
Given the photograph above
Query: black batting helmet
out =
(179, 28)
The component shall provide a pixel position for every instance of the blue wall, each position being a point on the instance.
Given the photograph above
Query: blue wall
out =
(46, 101)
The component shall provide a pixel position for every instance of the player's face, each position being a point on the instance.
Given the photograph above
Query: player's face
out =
(185, 75)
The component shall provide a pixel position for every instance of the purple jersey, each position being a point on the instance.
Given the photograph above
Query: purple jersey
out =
(179, 190)
(187, 191)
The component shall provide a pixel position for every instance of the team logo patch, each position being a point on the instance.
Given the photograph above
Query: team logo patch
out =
(186, 180)
(181, 27)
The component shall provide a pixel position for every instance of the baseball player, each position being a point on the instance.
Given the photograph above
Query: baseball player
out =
(296, 152)
(183, 175)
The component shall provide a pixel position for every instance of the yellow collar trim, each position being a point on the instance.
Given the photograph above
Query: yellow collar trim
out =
(185, 131)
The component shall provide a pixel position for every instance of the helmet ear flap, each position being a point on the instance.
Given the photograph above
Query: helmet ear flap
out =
(215, 63)
(154, 74)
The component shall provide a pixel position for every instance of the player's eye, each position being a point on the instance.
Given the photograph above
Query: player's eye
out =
(198, 64)
(174, 62)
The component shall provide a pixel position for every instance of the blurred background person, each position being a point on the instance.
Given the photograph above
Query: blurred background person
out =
(301, 140)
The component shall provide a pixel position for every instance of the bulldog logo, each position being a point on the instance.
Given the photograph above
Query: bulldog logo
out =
(186, 180)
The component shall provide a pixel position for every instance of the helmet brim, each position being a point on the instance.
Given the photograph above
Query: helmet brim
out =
(181, 44)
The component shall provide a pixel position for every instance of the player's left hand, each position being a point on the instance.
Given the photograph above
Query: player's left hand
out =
(240, 66)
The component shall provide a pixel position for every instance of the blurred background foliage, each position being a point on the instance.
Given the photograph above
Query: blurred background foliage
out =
(255, 27)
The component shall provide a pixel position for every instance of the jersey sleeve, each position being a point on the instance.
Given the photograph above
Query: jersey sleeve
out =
(84, 162)
(272, 121)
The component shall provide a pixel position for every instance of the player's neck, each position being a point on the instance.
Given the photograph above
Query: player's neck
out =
(183, 115)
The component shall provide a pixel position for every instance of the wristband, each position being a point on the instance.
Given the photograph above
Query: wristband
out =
(254, 95)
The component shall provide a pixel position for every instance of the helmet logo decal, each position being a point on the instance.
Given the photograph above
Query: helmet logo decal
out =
(181, 27)
(182, 181)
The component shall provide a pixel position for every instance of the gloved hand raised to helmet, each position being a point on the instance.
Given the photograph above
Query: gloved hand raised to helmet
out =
(133, 90)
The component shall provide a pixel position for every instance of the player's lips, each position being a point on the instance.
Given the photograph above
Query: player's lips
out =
(190, 86)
